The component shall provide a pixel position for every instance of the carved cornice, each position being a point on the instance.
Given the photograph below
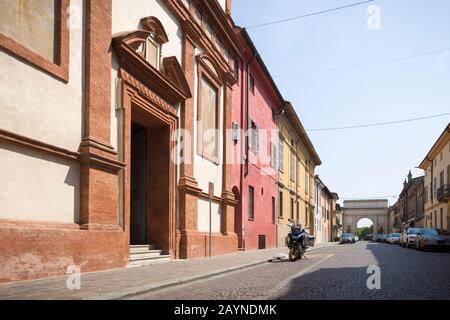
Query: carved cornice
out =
(189, 185)
(95, 154)
(90, 151)
(125, 46)
(38, 146)
(147, 93)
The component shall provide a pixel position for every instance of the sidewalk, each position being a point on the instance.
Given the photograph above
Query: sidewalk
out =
(117, 284)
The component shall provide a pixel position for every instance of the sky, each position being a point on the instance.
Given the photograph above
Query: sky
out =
(369, 162)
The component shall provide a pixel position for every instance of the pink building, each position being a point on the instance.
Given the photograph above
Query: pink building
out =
(256, 103)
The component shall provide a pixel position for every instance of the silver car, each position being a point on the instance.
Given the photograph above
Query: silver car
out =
(408, 238)
(393, 238)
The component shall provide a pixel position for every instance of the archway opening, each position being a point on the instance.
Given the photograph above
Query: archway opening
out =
(364, 228)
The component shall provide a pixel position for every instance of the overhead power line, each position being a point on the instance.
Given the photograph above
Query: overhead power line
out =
(370, 198)
(380, 123)
(308, 15)
(363, 63)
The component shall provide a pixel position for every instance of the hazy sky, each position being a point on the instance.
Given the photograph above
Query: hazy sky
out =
(370, 162)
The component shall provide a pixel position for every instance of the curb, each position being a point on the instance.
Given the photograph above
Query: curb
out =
(140, 290)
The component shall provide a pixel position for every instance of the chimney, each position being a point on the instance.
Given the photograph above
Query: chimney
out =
(409, 176)
(405, 184)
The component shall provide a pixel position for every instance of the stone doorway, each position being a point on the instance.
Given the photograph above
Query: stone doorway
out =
(151, 188)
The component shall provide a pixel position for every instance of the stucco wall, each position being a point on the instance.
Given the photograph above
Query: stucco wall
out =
(29, 180)
(203, 216)
(38, 106)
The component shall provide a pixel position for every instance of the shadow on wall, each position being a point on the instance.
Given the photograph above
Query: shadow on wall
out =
(36, 182)
(404, 275)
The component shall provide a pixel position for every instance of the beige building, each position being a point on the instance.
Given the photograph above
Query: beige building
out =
(297, 163)
(436, 166)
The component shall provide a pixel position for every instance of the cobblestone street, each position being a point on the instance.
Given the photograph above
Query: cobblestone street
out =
(338, 272)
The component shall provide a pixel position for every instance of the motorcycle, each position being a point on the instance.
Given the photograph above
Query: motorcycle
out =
(298, 241)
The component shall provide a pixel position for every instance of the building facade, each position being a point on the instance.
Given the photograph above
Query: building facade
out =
(411, 204)
(395, 219)
(297, 161)
(92, 157)
(324, 211)
(338, 219)
(436, 166)
(256, 104)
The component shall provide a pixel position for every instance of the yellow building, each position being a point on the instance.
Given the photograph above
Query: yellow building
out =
(297, 162)
(437, 183)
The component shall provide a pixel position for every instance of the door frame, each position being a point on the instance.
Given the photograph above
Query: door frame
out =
(136, 97)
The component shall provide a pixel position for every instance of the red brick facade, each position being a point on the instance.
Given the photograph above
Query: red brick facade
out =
(259, 104)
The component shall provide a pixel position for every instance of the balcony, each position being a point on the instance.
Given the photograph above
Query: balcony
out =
(443, 193)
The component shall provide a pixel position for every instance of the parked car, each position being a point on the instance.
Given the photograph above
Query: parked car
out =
(382, 238)
(348, 238)
(356, 238)
(432, 239)
(375, 237)
(368, 237)
(393, 238)
(408, 238)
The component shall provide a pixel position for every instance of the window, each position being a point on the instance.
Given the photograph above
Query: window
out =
(253, 136)
(306, 182)
(273, 210)
(185, 3)
(236, 69)
(293, 163)
(280, 201)
(448, 174)
(298, 211)
(251, 203)
(280, 155)
(441, 179)
(435, 186)
(153, 52)
(198, 17)
(208, 113)
(298, 173)
(45, 21)
(442, 218)
(273, 156)
(251, 84)
(435, 219)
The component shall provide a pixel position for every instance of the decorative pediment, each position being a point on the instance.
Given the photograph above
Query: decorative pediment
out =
(173, 70)
(170, 85)
(155, 26)
(212, 65)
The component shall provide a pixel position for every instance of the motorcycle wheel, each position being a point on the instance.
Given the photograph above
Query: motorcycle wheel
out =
(292, 254)
(300, 254)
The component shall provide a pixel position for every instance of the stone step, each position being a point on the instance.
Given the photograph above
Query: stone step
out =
(143, 246)
(143, 250)
(145, 255)
(149, 261)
